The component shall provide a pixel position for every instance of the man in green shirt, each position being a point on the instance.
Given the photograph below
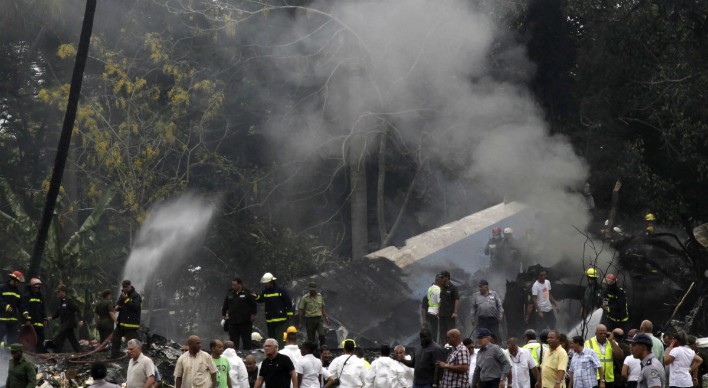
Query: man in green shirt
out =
(312, 311)
(21, 373)
(222, 364)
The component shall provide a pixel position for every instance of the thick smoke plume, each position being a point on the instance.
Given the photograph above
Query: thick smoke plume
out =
(442, 79)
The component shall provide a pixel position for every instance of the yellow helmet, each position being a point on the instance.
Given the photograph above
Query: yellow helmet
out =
(649, 217)
(650, 228)
(591, 272)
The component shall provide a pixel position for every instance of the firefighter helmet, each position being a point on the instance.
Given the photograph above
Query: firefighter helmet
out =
(611, 277)
(591, 272)
(496, 231)
(649, 217)
(19, 276)
(35, 282)
(267, 277)
(508, 231)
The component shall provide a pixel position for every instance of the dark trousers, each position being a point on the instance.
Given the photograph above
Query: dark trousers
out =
(66, 333)
(118, 334)
(9, 329)
(607, 384)
(315, 327)
(489, 384)
(241, 331)
(276, 330)
(445, 324)
(547, 322)
(489, 323)
(433, 323)
(39, 331)
(632, 384)
(104, 330)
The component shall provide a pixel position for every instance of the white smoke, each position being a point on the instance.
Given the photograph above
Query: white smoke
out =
(172, 231)
(427, 69)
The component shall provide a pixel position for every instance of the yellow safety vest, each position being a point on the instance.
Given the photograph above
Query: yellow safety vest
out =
(431, 291)
(533, 349)
(605, 360)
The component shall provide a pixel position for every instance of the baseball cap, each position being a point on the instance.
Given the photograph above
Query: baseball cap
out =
(481, 333)
(126, 283)
(15, 347)
(312, 285)
(445, 274)
(641, 338)
(483, 282)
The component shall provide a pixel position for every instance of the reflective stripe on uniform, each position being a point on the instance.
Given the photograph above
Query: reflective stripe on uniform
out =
(10, 293)
(36, 300)
(271, 295)
(130, 325)
(605, 359)
(38, 324)
(276, 319)
(8, 319)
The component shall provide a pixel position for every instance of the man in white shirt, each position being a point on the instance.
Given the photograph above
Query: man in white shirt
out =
(400, 353)
(543, 303)
(385, 372)
(141, 369)
(348, 368)
(292, 350)
(522, 364)
(310, 367)
(238, 372)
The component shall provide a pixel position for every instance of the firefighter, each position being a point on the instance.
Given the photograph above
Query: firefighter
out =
(34, 312)
(128, 307)
(494, 242)
(651, 221)
(10, 307)
(278, 306)
(592, 300)
(615, 305)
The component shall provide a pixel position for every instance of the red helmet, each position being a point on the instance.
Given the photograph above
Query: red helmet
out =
(19, 276)
(611, 277)
(496, 231)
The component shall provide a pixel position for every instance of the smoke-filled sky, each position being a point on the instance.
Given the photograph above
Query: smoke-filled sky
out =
(428, 70)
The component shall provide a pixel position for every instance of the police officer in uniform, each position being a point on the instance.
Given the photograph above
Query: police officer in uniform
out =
(487, 308)
(652, 374)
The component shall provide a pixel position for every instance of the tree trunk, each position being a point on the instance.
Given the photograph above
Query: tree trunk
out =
(357, 176)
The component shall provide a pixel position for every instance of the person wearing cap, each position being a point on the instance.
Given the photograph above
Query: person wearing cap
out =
(256, 340)
(554, 364)
(21, 373)
(493, 244)
(278, 306)
(239, 309)
(487, 308)
(34, 312)
(585, 366)
(652, 372)
(607, 350)
(128, 307)
(508, 254)
(104, 315)
(615, 305)
(69, 315)
(542, 302)
(312, 312)
(492, 367)
(592, 299)
(449, 306)
(291, 348)
(10, 307)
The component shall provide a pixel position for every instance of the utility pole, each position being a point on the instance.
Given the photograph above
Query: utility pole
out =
(65, 139)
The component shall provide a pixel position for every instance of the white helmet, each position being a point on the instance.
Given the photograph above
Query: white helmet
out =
(508, 231)
(267, 277)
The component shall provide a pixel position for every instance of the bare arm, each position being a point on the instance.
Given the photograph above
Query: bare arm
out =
(625, 371)
(259, 382)
(294, 379)
(213, 380)
(178, 382)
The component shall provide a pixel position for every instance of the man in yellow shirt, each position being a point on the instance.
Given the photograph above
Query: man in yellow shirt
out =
(554, 364)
